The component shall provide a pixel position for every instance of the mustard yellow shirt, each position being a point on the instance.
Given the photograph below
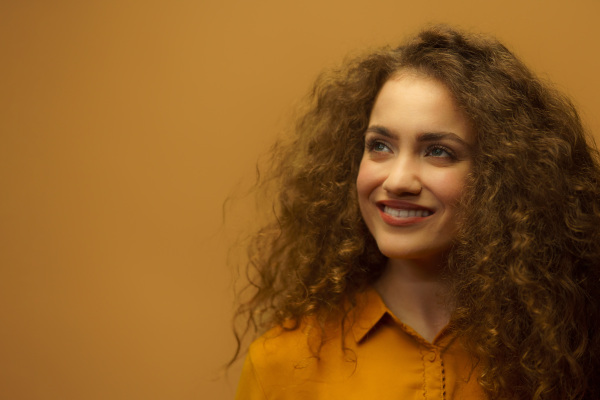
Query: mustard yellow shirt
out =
(385, 359)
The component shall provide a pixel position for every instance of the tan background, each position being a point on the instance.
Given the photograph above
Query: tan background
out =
(123, 127)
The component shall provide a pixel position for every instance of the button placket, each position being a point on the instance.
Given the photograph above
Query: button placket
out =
(434, 377)
(443, 378)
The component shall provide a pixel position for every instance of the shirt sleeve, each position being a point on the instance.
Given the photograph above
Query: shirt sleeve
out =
(249, 387)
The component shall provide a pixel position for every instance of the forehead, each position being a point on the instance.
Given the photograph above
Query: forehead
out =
(413, 103)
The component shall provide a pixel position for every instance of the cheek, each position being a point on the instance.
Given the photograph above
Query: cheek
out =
(366, 181)
(449, 186)
(365, 185)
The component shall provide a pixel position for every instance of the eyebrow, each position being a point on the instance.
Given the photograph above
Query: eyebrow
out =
(423, 137)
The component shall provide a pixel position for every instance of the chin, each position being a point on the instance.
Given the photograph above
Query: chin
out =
(414, 253)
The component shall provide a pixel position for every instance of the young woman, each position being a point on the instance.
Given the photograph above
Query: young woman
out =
(436, 234)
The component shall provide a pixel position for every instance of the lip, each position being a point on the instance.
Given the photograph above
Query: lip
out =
(402, 205)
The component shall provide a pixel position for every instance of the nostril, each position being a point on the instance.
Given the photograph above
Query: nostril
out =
(398, 190)
(402, 182)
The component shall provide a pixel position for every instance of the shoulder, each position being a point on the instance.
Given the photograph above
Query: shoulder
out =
(283, 348)
(279, 363)
(305, 362)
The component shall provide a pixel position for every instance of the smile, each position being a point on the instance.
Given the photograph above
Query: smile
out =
(405, 213)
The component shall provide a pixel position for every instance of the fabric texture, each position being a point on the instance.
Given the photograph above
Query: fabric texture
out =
(377, 357)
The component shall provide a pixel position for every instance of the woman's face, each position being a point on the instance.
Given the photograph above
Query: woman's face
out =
(418, 151)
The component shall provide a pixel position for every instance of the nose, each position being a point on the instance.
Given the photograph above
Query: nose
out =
(404, 177)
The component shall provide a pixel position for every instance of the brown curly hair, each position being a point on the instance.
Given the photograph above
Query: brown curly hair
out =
(525, 266)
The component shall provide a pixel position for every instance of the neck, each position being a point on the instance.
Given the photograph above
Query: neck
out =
(415, 293)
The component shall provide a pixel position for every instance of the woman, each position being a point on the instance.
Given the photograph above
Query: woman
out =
(436, 234)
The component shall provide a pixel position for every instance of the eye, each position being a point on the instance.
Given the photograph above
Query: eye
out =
(377, 146)
(439, 152)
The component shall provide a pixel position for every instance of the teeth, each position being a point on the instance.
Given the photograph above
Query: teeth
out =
(405, 213)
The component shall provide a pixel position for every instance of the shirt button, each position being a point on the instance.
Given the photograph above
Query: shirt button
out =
(431, 356)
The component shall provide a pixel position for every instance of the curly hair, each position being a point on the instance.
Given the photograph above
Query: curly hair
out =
(525, 265)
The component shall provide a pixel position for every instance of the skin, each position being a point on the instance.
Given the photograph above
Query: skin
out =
(416, 161)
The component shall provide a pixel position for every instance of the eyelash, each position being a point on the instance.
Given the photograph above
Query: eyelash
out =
(372, 143)
(448, 151)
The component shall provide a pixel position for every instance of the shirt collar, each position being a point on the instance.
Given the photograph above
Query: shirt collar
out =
(370, 309)
(368, 312)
